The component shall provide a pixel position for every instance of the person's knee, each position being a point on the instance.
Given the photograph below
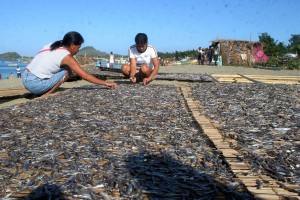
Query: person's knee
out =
(125, 69)
(145, 69)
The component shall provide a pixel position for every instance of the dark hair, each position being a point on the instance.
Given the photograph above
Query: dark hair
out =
(141, 38)
(71, 37)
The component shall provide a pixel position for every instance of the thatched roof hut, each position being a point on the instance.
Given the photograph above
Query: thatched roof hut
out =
(240, 52)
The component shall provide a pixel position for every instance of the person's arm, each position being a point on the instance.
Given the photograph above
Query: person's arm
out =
(153, 72)
(74, 65)
(132, 70)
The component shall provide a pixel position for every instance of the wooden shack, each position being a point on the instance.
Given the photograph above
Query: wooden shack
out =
(240, 52)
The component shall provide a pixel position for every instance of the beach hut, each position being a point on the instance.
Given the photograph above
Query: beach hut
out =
(240, 52)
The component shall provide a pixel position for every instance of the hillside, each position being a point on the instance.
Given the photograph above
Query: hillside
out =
(91, 52)
(10, 55)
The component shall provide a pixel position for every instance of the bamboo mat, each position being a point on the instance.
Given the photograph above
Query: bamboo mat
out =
(238, 78)
(272, 189)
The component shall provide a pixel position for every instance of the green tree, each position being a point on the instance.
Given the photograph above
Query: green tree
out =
(178, 54)
(294, 44)
(269, 44)
(280, 49)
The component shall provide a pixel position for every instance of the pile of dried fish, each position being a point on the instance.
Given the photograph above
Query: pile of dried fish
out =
(185, 77)
(263, 118)
(116, 73)
(102, 73)
(96, 143)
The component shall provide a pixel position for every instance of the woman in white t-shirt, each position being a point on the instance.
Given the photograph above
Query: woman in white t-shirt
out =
(142, 57)
(53, 65)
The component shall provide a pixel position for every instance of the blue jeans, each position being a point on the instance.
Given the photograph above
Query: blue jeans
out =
(39, 86)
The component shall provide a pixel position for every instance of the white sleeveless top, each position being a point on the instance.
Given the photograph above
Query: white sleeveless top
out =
(46, 62)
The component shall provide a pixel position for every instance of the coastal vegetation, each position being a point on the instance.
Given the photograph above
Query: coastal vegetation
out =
(277, 52)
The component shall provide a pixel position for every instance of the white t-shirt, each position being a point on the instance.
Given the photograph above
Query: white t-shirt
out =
(143, 58)
(111, 58)
(18, 70)
(46, 62)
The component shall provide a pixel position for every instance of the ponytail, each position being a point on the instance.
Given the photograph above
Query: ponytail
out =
(56, 45)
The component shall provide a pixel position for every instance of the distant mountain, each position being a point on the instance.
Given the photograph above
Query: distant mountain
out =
(91, 52)
(86, 51)
(10, 55)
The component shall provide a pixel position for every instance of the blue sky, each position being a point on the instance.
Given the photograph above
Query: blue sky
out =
(111, 25)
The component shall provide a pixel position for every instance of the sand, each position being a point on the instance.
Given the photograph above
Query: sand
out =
(227, 70)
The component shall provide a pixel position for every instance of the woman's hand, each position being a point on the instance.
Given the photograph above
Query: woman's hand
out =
(112, 85)
(133, 79)
(147, 80)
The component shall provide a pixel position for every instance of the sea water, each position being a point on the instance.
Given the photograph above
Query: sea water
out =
(8, 66)
(115, 66)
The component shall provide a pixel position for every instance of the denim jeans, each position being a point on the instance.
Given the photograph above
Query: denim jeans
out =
(37, 85)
